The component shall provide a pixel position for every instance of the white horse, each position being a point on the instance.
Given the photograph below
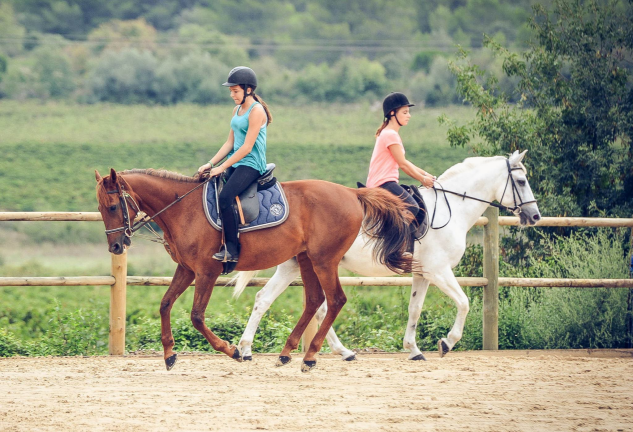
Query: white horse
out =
(460, 197)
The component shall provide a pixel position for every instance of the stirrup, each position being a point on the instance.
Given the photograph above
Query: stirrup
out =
(224, 255)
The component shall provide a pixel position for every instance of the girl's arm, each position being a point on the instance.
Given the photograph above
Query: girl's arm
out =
(224, 150)
(221, 154)
(409, 168)
(256, 120)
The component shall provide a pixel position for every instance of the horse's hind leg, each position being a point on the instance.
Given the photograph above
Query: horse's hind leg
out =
(314, 298)
(418, 293)
(336, 299)
(332, 340)
(447, 282)
(285, 274)
(204, 288)
(181, 281)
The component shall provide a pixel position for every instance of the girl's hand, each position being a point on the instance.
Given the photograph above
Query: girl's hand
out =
(428, 181)
(217, 171)
(203, 168)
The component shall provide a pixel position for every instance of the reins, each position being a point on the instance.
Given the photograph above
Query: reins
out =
(130, 228)
(515, 193)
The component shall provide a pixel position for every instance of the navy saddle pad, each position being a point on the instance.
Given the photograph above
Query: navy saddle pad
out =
(273, 208)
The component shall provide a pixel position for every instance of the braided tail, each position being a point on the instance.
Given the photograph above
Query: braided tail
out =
(387, 222)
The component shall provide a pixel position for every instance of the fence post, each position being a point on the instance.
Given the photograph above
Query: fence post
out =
(491, 272)
(310, 331)
(116, 344)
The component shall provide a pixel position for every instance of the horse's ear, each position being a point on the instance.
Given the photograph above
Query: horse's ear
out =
(98, 176)
(517, 157)
(113, 178)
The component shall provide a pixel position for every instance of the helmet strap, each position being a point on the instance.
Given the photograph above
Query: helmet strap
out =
(245, 87)
(395, 116)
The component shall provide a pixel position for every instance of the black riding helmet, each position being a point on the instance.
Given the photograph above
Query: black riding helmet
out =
(392, 102)
(242, 76)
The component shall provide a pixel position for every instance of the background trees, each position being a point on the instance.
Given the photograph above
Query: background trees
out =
(301, 44)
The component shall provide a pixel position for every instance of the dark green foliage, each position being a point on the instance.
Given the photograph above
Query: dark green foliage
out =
(3, 65)
(575, 114)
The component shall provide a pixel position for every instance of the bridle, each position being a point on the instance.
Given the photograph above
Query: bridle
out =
(515, 194)
(129, 227)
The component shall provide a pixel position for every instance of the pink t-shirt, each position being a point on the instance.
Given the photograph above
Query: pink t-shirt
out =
(383, 167)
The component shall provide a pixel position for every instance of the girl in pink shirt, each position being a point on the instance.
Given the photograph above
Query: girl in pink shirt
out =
(388, 156)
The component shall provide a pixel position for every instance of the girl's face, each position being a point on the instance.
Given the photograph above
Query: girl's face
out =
(237, 94)
(403, 115)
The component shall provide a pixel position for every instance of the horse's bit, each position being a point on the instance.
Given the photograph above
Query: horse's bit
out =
(515, 193)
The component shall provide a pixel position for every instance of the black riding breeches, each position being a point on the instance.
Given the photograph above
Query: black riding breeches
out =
(405, 196)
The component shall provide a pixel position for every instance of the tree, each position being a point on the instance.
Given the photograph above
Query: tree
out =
(11, 33)
(576, 107)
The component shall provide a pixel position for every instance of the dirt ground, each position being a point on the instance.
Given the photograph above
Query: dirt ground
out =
(490, 391)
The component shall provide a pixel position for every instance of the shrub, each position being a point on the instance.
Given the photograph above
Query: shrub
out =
(195, 79)
(54, 73)
(10, 346)
(75, 333)
(125, 77)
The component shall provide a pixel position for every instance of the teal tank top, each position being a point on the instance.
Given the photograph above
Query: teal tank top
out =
(257, 157)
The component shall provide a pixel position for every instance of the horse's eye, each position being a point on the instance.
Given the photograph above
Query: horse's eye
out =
(113, 207)
(521, 182)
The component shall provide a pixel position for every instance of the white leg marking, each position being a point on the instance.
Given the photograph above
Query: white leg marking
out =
(418, 293)
(285, 274)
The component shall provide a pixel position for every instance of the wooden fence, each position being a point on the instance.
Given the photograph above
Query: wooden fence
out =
(119, 280)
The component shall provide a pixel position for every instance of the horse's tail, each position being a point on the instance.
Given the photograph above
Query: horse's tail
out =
(241, 280)
(387, 221)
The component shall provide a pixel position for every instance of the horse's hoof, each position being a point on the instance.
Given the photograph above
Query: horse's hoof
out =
(351, 358)
(247, 358)
(308, 365)
(442, 347)
(283, 360)
(237, 355)
(418, 357)
(171, 361)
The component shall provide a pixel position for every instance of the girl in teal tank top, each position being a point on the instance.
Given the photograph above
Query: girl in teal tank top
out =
(244, 150)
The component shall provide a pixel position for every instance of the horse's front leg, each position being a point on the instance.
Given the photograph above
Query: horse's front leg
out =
(447, 283)
(416, 301)
(180, 282)
(285, 274)
(205, 283)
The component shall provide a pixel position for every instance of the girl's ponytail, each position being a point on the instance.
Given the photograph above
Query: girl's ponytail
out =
(268, 114)
(384, 125)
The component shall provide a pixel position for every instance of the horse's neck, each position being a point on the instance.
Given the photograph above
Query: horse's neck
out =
(480, 182)
(155, 194)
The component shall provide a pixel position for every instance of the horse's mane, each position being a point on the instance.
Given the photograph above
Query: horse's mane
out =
(163, 174)
(466, 165)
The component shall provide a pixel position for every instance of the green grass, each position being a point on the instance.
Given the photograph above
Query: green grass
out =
(50, 151)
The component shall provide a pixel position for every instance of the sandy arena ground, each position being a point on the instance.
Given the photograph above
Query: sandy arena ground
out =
(490, 391)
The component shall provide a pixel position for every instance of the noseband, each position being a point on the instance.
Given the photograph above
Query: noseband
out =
(515, 194)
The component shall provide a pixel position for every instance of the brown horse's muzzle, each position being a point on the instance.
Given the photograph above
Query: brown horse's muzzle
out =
(117, 247)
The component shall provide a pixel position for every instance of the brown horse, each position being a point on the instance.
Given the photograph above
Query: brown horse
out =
(323, 222)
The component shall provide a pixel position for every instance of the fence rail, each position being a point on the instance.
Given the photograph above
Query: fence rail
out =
(119, 280)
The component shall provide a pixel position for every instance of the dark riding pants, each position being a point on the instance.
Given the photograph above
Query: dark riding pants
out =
(239, 179)
(405, 196)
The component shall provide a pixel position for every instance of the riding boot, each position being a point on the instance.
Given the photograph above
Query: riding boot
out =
(413, 227)
(229, 251)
